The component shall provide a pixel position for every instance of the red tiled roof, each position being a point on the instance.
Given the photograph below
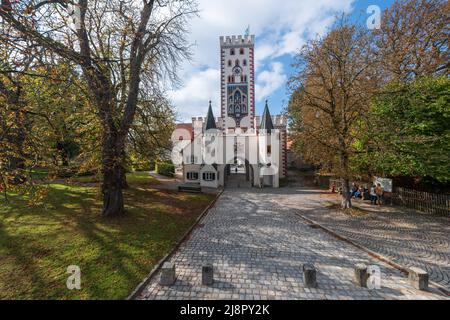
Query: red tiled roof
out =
(187, 126)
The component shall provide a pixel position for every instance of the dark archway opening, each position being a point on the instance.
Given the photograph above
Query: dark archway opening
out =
(238, 174)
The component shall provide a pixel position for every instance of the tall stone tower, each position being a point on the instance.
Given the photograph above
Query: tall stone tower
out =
(237, 82)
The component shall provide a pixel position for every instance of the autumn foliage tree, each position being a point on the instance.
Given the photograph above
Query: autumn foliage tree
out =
(149, 138)
(413, 39)
(375, 102)
(336, 79)
(18, 150)
(120, 46)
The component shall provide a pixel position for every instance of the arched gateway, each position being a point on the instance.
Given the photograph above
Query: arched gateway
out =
(262, 165)
(240, 174)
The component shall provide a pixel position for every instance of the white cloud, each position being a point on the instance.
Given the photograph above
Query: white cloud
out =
(263, 52)
(281, 28)
(192, 99)
(269, 81)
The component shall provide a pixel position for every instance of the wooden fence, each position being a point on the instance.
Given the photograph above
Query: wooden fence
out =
(428, 202)
(433, 203)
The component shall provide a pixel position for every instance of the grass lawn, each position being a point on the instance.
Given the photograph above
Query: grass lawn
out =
(37, 244)
(132, 178)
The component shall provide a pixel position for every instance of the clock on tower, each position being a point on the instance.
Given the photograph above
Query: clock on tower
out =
(237, 81)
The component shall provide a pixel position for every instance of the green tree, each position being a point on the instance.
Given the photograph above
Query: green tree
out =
(58, 104)
(409, 132)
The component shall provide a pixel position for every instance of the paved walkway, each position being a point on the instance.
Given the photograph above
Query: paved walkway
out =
(166, 182)
(257, 244)
(405, 236)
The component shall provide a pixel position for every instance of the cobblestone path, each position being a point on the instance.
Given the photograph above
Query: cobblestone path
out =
(406, 237)
(257, 244)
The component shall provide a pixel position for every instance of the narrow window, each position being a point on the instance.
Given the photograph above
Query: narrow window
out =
(191, 159)
(232, 52)
(269, 149)
(229, 63)
(241, 51)
(244, 62)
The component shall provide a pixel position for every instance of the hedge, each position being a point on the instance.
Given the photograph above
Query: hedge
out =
(165, 169)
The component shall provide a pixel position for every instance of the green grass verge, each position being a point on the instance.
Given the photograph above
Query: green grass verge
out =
(37, 244)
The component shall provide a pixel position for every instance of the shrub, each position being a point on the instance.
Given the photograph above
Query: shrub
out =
(165, 169)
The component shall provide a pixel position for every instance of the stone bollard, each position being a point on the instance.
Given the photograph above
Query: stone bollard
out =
(361, 274)
(207, 275)
(167, 274)
(309, 275)
(418, 278)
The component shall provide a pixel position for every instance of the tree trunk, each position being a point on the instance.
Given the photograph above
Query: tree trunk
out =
(124, 180)
(124, 173)
(112, 191)
(346, 202)
(113, 174)
(65, 158)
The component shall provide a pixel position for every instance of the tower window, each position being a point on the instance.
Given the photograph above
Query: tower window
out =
(269, 149)
(229, 63)
(236, 62)
(241, 51)
(244, 62)
(232, 52)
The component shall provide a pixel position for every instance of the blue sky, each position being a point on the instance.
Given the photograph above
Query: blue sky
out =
(281, 28)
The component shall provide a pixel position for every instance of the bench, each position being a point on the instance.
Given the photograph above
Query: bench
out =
(189, 188)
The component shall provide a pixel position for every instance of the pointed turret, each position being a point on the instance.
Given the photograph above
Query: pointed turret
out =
(266, 121)
(210, 121)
